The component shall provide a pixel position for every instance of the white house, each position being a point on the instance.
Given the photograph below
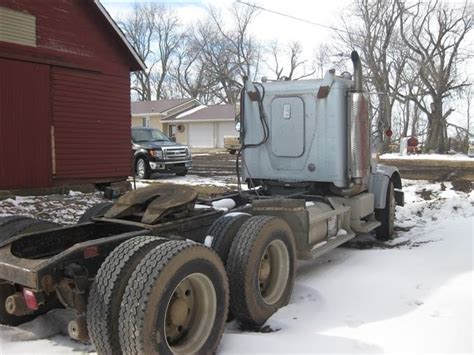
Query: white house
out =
(188, 121)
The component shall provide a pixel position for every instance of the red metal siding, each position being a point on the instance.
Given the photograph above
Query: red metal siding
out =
(70, 32)
(25, 154)
(89, 96)
(92, 125)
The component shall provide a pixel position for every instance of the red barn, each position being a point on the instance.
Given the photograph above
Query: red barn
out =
(64, 94)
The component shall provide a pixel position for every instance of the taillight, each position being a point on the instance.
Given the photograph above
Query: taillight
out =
(91, 252)
(30, 299)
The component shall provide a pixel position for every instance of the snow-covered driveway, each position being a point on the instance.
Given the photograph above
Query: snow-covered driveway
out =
(412, 296)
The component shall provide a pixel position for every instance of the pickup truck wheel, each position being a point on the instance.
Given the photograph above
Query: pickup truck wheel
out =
(261, 268)
(97, 210)
(142, 168)
(11, 226)
(223, 231)
(232, 151)
(106, 294)
(175, 302)
(182, 173)
(386, 215)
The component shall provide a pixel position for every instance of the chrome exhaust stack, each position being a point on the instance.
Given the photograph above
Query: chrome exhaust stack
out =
(359, 134)
(357, 71)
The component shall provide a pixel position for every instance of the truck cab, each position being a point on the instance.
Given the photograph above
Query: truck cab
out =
(153, 151)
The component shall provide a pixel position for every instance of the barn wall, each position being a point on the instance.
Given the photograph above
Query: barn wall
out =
(92, 125)
(87, 96)
(25, 155)
(70, 33)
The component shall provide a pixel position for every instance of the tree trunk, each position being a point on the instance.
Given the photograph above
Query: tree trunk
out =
(406, 121)
(437, 130)
(414, 122)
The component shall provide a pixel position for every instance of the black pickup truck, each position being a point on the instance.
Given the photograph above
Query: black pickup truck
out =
(153, 151)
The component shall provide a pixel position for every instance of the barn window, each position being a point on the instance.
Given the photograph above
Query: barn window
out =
(17, 27)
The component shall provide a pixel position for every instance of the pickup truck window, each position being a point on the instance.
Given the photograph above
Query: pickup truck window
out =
(148, 135)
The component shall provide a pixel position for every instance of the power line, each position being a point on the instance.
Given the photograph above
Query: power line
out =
(297, 18)
(465, 52)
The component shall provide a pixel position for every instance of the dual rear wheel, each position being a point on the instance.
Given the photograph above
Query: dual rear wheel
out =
(158, 296)
(259, 254)
(154, 295)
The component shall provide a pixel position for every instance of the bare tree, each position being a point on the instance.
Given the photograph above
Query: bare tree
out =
(469, 97)
(227, 54)
(322, 58)
(373, 33)
(138, 28)
(290, 55)
(168, 38)
(189, 73)
(433, 33)
(153, 31)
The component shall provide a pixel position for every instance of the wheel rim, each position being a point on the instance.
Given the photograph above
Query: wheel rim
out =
(190, 314)
(140, 168)
(274, 271)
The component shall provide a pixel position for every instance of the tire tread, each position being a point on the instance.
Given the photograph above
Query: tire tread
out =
(240, 255)
(137, 294)
(102, 324)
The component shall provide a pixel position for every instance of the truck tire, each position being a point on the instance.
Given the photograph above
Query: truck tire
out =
(10, 219)
(106, 294)
(97, 210)
(11, 226)
(223, 231)
(261, 268)
(386, 216)
(182, 173)
(142, 168)
(175, 302)
(232, 151)
(18, 225)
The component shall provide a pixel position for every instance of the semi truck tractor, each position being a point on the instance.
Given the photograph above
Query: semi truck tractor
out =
(161, 271)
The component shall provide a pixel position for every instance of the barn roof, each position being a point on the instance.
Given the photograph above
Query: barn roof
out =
(140, 65)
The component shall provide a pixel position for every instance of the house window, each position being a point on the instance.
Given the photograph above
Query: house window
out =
(17, 27)
(146, 122)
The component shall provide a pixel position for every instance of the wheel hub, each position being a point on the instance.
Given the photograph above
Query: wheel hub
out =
(190, 313)
(265, 269)
(274, 271)
(179, 312)
(141, 168)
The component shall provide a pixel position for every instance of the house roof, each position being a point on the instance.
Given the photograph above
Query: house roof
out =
(206, 113)
(139, 64)
(157, 106)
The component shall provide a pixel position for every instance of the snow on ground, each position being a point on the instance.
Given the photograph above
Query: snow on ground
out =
(64, 209)
(455, 157)
(191, 180)
(412, 295)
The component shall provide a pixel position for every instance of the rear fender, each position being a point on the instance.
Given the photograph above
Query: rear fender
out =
(379, 182)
